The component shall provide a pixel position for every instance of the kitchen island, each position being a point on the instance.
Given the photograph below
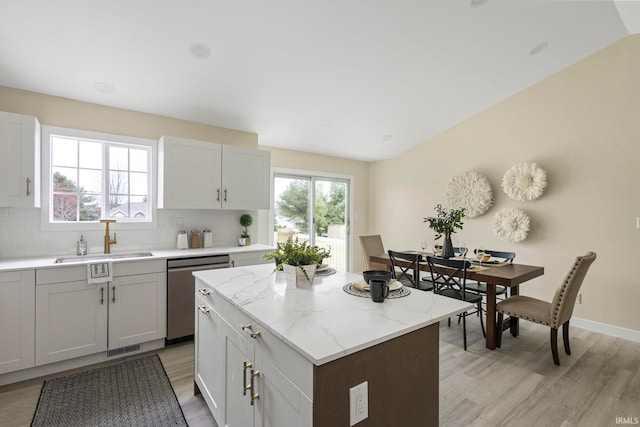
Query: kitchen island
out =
(269, 354)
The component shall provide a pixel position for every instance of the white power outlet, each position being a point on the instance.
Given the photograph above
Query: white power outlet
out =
(358, 403)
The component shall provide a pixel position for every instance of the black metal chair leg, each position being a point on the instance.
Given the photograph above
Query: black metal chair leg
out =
(554, 346)
(565, 337)
(484, 334)
(464, 331)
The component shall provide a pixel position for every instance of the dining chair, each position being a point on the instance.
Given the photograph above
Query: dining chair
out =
(407, 272)
(554, 314)
(449, 278)
(372, 245)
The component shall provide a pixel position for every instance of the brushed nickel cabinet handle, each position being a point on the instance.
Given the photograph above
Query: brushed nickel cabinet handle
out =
(204, 309)
(204, 292)
(218, 194)
(102, 295)
(233, 263)
(28, 186)
(225, 194)
(114, 294)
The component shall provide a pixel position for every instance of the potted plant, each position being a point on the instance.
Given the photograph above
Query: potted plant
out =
(298, 260)
(245, 239)
(445, 223)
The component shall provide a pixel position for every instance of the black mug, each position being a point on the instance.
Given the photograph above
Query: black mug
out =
(379, 289)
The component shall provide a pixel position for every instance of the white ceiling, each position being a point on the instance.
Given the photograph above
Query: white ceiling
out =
(361, 79)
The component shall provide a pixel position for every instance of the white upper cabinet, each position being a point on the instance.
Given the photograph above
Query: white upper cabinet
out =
(245, 178)
(19, 160)
(205, 175)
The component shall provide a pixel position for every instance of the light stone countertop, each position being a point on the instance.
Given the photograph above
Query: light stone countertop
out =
(325, 323)
(10, 264)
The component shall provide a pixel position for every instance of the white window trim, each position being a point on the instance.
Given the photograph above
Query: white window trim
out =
(46, 132)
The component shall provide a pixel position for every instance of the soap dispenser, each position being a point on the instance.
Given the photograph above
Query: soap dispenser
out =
(81, 246)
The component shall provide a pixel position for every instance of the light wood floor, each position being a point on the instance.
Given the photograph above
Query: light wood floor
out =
(517, 385)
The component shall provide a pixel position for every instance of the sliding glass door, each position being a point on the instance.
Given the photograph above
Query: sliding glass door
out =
(314, 208)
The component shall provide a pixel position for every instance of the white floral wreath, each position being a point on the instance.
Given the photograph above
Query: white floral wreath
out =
(469, 190)
(511, 225)
(524, 181)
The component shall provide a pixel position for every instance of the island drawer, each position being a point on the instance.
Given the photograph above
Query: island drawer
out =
(291, 363)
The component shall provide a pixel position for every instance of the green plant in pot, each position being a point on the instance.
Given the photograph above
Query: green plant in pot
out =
(298, 259)
(445, 223)
(245, 221)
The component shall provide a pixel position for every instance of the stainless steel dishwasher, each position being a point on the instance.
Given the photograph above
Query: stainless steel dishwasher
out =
(181, 287)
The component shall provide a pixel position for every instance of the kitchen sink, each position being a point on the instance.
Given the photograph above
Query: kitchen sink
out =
(105, 257)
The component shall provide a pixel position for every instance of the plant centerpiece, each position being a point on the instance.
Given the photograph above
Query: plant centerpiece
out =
(298, 260)
(245, 239)
(445, 223)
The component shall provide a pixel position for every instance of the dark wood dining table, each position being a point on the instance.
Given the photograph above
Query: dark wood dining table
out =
(510, 275)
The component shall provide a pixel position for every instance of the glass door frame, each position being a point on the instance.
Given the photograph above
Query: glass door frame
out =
(312, 177)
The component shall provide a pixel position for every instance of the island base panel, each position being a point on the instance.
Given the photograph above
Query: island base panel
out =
(403, 382)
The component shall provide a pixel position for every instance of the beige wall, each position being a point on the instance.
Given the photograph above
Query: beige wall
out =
(63, 112)
(327, 164)
(583, 126)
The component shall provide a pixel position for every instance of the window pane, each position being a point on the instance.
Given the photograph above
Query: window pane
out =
(118, 183)
(90, 155)
(64, 180)
(120, 207)
(140, 207)
(90, 207)
(118, 158)
(138, 159)
(64, 207)
(90, 180)
(64, 151)
(138, 183)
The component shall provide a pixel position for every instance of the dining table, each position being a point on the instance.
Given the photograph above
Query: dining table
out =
(509, 275)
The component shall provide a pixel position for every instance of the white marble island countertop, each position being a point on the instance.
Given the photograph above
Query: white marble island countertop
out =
(325, 323)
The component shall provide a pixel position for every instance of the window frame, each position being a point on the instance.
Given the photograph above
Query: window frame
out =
(46, 132)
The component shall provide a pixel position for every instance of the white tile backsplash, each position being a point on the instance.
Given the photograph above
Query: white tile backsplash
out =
(21, 235)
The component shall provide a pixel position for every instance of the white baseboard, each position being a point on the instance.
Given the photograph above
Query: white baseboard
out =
(603, 328)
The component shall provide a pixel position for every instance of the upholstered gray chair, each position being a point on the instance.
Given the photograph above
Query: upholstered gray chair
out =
(372, 245)
(554, 314)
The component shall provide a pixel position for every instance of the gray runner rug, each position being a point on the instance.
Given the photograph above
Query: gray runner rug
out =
(135, 393)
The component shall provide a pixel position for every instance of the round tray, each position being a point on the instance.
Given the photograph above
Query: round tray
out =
(398, 293)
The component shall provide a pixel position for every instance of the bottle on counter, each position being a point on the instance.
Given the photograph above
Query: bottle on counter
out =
(182, 240)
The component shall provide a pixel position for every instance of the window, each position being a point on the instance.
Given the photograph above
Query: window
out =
(92, 176)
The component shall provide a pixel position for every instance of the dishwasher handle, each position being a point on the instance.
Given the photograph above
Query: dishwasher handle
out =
(199, 267)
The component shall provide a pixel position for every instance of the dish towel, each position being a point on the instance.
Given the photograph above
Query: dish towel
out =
(99, 272)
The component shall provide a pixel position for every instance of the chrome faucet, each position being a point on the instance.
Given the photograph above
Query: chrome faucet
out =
(108, 241)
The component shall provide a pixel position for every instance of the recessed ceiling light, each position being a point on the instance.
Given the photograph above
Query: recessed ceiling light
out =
(325, 122)
(387, 137)
(200, 50)
(474, 3)
(538, 48)
(104, 87)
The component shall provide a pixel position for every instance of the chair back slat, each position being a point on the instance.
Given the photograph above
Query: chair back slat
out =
(452, 278)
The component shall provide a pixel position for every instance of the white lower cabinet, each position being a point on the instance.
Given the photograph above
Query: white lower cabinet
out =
(244, 372)
(71, 320)
(17, 314)
(75, 318)
(137, 309)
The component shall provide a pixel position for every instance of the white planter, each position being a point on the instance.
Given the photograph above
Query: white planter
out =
(294, 275)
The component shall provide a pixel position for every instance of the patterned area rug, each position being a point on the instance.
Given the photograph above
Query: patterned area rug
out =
(134, 393)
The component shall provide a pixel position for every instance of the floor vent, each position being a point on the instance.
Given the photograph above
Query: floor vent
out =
(122, 350)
